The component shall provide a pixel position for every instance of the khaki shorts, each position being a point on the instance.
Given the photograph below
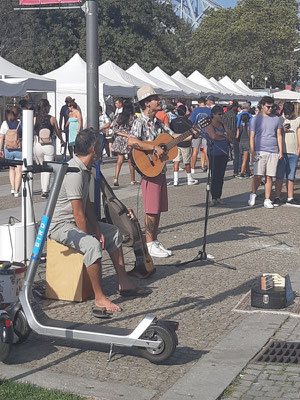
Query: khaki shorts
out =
(69, 235)
(265, 163)
(184, 154)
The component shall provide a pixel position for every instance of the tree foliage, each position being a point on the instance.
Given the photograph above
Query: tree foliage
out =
(148, 33)
(256, 37)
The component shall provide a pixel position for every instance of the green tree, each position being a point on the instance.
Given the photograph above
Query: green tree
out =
(148, 33)
(257, 36)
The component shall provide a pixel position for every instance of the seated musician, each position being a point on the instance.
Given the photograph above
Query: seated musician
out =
(74, 223)
(145, 129)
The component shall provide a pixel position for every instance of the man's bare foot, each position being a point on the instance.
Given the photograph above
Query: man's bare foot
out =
(106, 303)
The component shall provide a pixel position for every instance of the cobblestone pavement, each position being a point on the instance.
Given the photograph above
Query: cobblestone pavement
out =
(200, 297)
(269, 381)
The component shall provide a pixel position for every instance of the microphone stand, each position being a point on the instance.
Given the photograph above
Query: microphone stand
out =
(202, 255)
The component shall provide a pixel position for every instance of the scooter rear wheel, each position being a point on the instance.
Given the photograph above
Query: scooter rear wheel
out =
(159, 332)
(4, 351)
(21, 327)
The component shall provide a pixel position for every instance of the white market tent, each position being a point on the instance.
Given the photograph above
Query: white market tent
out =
(71, 81)
(245, 94)
(163, 76)
(223, 88)
(111, 71)
(182, 79)
(160, 86)
(227, 82)
(201, 80)
(245, 88)
(16, 81)
(287, 95)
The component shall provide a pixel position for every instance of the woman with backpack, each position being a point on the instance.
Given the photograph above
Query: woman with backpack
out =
(242, 134)
(45, 128)
(11, 137)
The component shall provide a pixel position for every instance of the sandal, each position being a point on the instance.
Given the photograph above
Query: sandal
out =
(133, 183)
(116, 183)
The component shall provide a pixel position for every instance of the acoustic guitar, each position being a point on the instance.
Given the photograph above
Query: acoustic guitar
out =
(149, 164)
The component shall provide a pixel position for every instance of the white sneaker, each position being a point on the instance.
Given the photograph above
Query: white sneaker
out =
(12, 191)
(251, 201)
(156, 251)
(175, 183)
(16, 194)
(268, 203)
(181, 169)
(192, 170)
(169, 252)
(192, 181)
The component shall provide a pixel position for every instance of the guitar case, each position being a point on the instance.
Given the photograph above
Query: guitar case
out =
(117, 213)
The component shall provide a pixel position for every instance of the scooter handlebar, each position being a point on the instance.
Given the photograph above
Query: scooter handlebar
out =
(10, 163)
(33, 168)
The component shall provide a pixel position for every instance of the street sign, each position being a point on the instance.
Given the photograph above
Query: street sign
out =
(40, 2)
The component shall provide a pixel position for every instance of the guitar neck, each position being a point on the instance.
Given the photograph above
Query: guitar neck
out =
(179, 139)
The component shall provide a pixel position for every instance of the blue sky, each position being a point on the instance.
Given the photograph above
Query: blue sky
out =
(227, 3)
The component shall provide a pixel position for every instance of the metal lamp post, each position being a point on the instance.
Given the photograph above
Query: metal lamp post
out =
(252, 80)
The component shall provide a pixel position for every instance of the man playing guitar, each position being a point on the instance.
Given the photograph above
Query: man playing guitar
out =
(146, 129)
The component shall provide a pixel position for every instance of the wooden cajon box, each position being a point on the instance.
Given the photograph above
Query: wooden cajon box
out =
(66, 276)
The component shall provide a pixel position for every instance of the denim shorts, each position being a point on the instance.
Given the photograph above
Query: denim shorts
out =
(287, 167)
(13, 154)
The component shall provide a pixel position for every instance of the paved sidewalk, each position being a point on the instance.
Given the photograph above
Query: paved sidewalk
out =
(215, 344)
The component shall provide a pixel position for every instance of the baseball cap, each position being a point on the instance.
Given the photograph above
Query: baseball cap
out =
(144, 92)
(211, 98)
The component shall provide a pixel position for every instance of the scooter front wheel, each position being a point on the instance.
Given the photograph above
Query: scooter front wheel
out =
(21, 327)
(159, 332)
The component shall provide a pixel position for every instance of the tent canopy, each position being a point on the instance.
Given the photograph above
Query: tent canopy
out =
(159, 85)
(71, 81)
(245, 88)
(197, 88)
(16, 81)
(244, 94)
(200, 79)
(163, 76)
(223, 88)
(111, 71)
(287, 95)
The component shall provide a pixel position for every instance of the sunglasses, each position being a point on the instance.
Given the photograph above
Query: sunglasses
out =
(268, 107)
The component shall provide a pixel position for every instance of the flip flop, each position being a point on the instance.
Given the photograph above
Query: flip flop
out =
(101, 312)
(137, 292)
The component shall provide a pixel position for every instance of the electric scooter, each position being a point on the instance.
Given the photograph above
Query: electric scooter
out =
(155, 339)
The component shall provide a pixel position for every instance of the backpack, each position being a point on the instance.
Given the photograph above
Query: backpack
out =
(12, 140)
(45, 136)
(44, 132)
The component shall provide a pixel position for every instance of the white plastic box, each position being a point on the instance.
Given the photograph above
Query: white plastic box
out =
(11, 283)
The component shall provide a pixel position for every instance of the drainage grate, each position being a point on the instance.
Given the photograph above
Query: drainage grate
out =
(281, 352)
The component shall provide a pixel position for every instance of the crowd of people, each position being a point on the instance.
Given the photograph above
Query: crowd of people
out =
(265, 139)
